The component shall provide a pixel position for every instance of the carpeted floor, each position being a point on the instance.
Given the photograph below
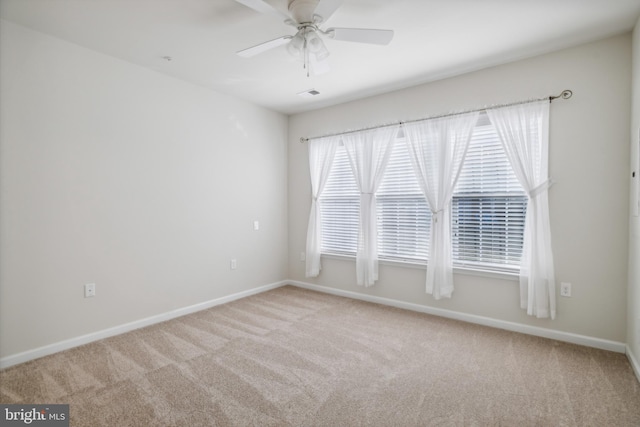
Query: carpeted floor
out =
(293, 357)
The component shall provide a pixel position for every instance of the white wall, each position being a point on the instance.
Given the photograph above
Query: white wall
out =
(633, 316)
(146, 185)
(589, 204)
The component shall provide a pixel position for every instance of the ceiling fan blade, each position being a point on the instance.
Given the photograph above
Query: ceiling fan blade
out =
(263, 7)
(263, 47)
(361, 35)
(325, 8)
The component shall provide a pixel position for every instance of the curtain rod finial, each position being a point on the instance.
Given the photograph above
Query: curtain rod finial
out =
(565, 94)
(303, 139)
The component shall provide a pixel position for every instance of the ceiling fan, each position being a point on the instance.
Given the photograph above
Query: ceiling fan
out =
(307, 45)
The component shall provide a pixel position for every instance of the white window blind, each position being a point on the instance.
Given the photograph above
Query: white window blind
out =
(404, 218)
(488, 208)
(340, 207)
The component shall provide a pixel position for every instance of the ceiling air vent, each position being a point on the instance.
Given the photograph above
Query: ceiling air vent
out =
(309, 93)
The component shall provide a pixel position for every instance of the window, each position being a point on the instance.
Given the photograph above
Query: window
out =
(340, 207)
(404, 217)
(488, 208)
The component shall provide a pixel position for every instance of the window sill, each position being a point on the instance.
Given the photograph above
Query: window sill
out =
(466, 270)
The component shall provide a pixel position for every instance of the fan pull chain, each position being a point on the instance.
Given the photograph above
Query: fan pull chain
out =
(306, 53)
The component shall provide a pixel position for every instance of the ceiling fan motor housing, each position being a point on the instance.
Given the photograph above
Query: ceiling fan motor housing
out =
(302, 10)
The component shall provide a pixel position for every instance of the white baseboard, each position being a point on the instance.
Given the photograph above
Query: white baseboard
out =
(618, 347)
(486, 321)
(634, 362)
(26, 356)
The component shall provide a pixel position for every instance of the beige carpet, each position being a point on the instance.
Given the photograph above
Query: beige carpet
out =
(293, 357)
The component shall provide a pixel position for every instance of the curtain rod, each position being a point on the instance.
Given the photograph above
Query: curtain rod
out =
(565, 94)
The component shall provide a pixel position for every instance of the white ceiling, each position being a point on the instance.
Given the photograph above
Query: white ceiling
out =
(433, 39)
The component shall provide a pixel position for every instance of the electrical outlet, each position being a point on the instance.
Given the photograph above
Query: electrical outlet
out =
(256, 225)
(234, 264)
(565, 289)
(90, 290)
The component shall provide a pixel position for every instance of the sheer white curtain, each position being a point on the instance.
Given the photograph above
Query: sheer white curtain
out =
(524, 132)
(437, 148)
(321, 154)
(368, 153)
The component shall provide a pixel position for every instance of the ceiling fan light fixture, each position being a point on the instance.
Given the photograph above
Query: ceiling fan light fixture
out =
(313, 42)
(322, 54)
(307, 45)
(316, 46)
(296, 46)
